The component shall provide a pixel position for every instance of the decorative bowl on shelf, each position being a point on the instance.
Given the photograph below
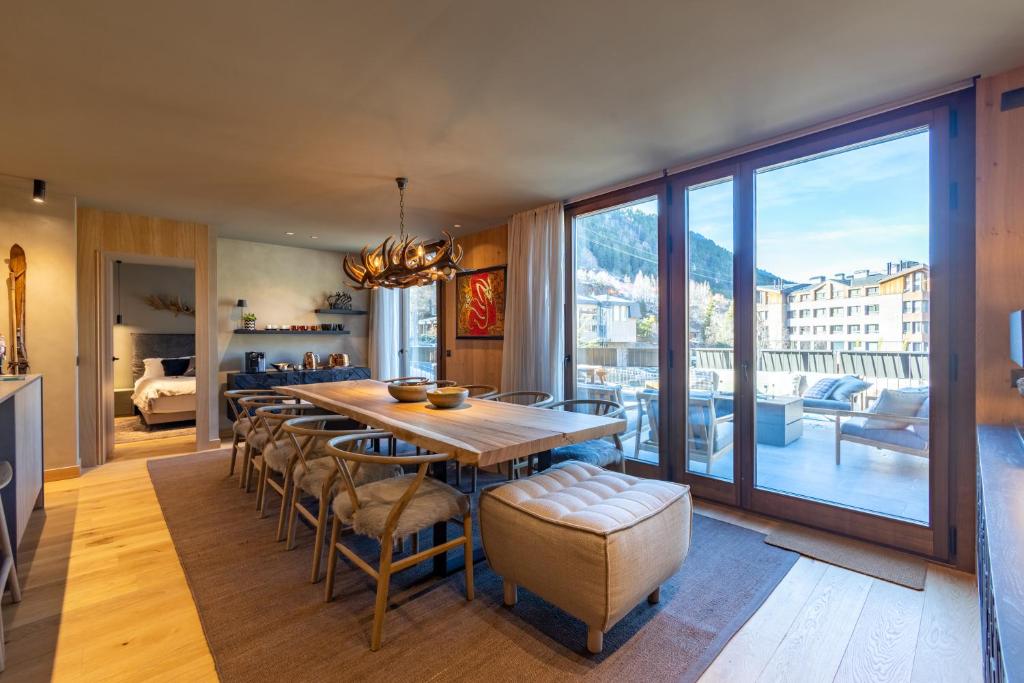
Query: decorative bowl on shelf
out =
(281, 367)
(448, 397)
(410, 391)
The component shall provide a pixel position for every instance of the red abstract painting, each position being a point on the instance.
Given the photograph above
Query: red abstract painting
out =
(481, 304)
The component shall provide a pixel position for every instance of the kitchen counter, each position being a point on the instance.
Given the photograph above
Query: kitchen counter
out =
(21, 445)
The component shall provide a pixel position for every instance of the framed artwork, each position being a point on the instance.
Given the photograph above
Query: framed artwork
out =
(480, 304)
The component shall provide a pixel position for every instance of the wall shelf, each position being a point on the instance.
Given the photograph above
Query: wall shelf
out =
(292, 332)
(339, 311)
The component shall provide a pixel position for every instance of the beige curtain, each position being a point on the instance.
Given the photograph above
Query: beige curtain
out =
(384, 330)
(534, 349)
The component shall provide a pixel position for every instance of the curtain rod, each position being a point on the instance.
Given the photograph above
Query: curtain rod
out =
(785, 137)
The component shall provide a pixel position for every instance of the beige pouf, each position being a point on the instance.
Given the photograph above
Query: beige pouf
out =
(593, 542)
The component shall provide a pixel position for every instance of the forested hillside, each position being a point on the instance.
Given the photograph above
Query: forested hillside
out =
(625, 242)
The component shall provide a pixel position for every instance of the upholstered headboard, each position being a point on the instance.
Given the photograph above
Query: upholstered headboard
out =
(148, 345)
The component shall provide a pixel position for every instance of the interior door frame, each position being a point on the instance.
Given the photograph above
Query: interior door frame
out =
(658, 189)
(106, 284)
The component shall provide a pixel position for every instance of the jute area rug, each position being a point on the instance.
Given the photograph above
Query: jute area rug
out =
(264, 621)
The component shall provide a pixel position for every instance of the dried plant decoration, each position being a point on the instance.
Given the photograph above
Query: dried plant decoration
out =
(175, 305)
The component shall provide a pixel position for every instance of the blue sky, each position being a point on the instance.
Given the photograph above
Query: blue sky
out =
(838, 213)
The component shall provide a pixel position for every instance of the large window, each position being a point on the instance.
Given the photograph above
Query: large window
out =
(849, 427)
(782, 360)
(419, 331)
(710, 430)
(616, 316)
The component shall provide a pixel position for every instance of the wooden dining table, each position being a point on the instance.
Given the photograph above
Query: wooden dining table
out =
(480, 432)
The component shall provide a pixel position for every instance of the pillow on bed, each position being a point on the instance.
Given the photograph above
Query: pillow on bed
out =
(175, 367)
(152, 367)
(191, 371)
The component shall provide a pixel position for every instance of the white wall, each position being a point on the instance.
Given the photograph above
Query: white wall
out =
(283, 286)
(47, 234)
(139, 281)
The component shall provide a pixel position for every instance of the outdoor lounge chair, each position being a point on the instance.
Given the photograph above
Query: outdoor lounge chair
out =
(897, 421)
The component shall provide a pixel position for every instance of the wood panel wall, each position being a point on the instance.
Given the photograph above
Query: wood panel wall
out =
(108, 234)
(475, 361)
(999, 255)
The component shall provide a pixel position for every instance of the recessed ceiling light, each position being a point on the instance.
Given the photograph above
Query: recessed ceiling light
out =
(316, 237)
(456, 225)
(289, 233)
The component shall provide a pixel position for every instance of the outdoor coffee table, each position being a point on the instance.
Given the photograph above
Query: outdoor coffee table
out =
(780, 420)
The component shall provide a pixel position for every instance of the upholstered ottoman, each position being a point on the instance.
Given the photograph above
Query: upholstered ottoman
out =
(592, 542)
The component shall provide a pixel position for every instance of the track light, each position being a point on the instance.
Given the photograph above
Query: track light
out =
(38, 191)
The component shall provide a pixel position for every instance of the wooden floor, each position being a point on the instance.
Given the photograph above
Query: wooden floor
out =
(106, 599)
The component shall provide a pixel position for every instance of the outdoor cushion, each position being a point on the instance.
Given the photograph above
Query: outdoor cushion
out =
(826, 403)
(847, 387)
(895, 402)
(897, 437)
(922, 429)
(723, 438)
(823, 388)
(597, 452)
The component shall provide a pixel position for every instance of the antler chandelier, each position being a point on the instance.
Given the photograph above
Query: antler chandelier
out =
(405, 262)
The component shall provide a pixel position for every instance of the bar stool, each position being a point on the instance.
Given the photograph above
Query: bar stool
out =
(8, 572)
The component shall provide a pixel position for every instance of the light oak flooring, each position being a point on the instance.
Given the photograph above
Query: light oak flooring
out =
(171, 445)
(105, 598)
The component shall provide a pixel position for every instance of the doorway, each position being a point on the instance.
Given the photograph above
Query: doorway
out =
(152, 336)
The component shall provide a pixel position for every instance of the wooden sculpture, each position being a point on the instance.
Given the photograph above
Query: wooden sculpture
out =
(18, 363)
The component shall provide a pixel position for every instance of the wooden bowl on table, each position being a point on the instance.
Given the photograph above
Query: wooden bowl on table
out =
(410, 391)
(448, 397)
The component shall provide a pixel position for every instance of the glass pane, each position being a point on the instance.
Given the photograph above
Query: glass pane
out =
(842, 327)
(616, 256)
(420, 330)
(709, 429)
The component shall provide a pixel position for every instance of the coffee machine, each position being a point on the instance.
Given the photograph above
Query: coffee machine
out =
(255, 361)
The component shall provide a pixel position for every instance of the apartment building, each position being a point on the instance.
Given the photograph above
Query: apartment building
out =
(862, 311)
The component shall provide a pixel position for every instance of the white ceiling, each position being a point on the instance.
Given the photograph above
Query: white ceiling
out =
(263, 116)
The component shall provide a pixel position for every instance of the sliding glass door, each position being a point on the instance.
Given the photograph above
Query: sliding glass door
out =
(842, 379)
(418, 331)
(614, 323)
(779, 325)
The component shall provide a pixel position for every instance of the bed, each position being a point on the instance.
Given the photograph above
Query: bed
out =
(163, 367)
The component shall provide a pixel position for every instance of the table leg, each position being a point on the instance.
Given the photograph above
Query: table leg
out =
(439, 470)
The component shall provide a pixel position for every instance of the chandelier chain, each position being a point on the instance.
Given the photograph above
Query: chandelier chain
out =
(401, 212)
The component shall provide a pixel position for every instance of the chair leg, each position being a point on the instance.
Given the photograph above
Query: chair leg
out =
(595, 640)
(234, 455)
(243, 478)
(839, 440)
(511, 593)
(318, 542)
(293, 515)
(282, 514)
(332, 559)
(467, 551)
(383, 583)
(261, 489)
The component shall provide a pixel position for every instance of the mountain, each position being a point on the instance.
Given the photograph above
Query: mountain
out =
(622, 243)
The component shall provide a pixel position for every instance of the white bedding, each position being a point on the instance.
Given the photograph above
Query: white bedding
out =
(149, 389)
